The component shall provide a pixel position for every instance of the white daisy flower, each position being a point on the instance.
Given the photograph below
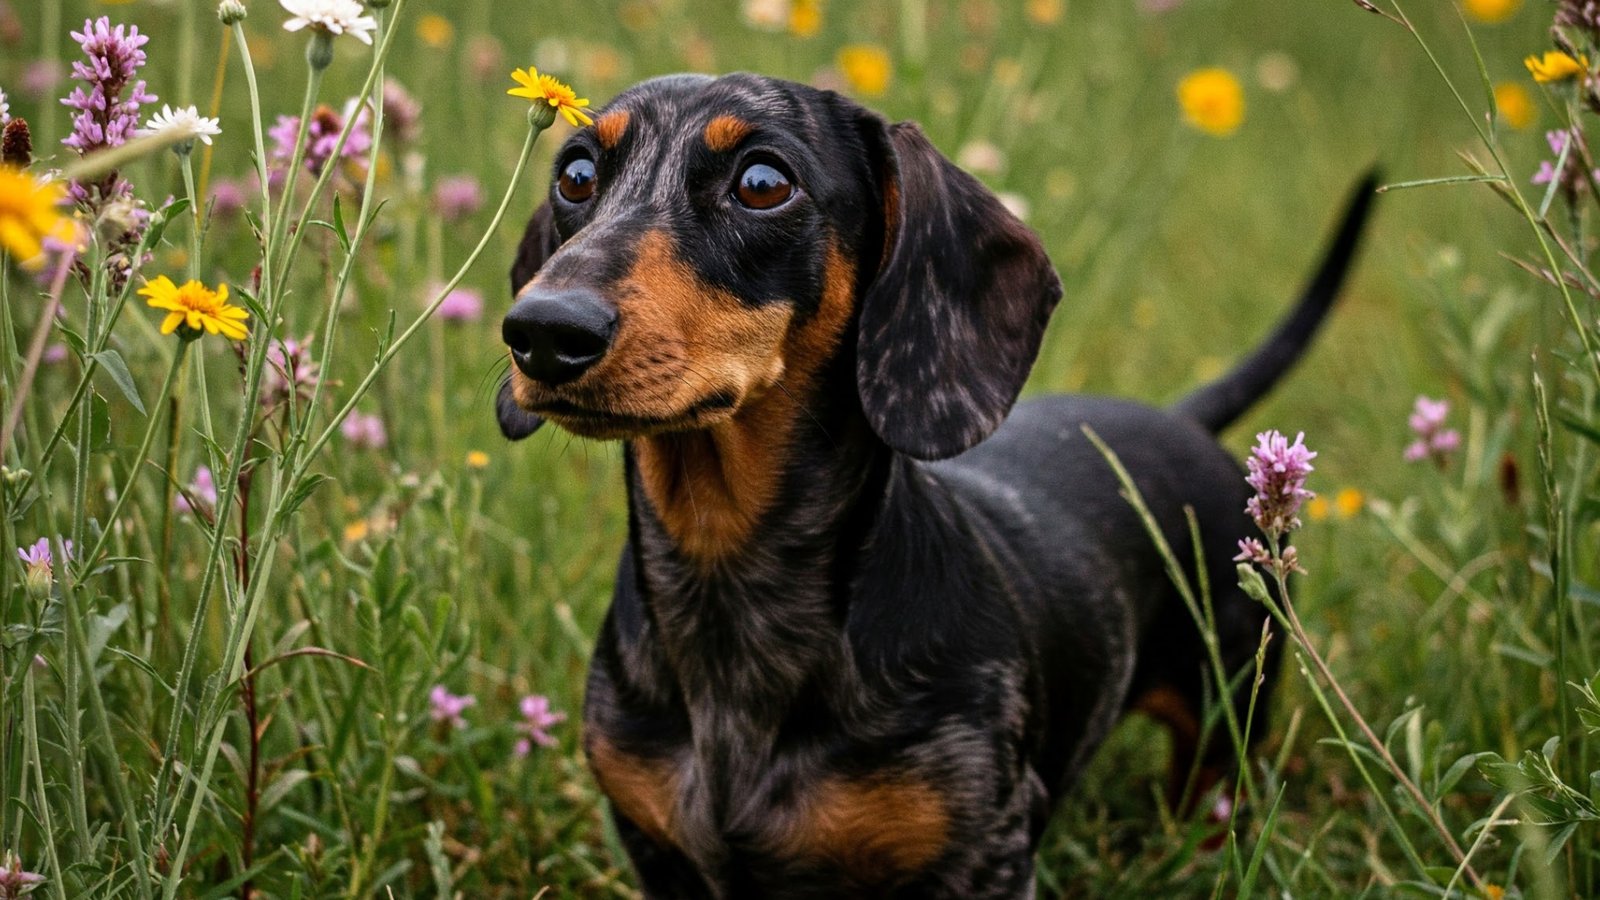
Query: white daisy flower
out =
(332, 16)
(5, 109)
(185, 121)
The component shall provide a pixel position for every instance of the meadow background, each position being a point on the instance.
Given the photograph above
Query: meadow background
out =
(439, 555)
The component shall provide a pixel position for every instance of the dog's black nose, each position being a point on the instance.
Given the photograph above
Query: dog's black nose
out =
(555, 336)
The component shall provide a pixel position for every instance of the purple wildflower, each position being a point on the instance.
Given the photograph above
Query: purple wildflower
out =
(444, 706)
(322, 134)
(14, 881)
(1572, 176)
(228, 198)
(107, 107)
(1278, 470)
(536, 717)
(402, 114)
(1434, 441)
(289, 368)
(365, 431)
(201, 493)
(39, 561)
(461, 305)
(456, 197)
(55, 354)
(40, 78)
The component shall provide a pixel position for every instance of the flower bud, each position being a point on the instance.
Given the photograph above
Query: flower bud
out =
(541, 116)
(16, 144)
(319, 53)
(231, 12)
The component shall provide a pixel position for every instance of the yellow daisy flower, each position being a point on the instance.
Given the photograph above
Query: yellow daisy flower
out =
(1555, 66)
(1212, 101)
(477, 459)
(805, 18)
(1348, 502)
(1491, 11)
(1515, 105)
(435, 31)
(867, 67)
(536, 87)
(1317, 509)
(196, 307)
(29, 213)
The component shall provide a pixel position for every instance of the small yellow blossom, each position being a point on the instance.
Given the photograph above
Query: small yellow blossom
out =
(1212, 101)
(1491, 11)
(196, 307)
(356, 531)
(1556, 66)
(1493, 892)
(866, 67)
(435, 31)
(477, 459)
(805, 18)
(536, 87)
(1317, 509)
(29, 213)
(1045, 12)
(1515, 105)
(1348, 502)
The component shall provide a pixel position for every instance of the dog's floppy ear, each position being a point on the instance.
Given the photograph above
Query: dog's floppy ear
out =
(951, 324)
(539, 243)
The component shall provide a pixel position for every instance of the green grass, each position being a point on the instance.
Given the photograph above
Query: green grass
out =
(1177, 252)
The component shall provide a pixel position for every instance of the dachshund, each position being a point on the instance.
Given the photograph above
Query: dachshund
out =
(871, 621)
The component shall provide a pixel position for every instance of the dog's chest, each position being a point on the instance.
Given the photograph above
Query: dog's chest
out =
(780, 811)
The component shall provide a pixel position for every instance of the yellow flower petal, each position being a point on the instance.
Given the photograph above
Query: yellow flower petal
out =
(171, 322)
(29, 212)
(1555, 66)
(1212, 100)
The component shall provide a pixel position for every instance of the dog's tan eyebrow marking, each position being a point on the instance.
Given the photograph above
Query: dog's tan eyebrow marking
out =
(610, 127)
(724, 133)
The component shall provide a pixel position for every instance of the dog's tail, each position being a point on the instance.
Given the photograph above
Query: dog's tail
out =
(1219, 403)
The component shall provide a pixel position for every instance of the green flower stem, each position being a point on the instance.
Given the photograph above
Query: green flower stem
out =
(168, 798)
(1283, 610)
(1512, 191)
(194, 213)
(326, 175)
(87, 562)
(72, 627)
(30, 738)
(330, 324)
(240, 626)
(212, 724)
(405, 336)
(308, 105)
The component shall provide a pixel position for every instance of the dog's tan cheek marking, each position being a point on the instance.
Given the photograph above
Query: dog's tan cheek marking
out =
(709, 486)
(644, 791)
(610, 128)
(724, 133)
(875, 830)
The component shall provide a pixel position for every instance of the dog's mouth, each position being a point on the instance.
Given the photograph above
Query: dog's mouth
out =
(604, 422)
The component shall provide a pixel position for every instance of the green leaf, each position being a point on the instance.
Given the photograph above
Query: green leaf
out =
(163, 218)
(1248, 882)
(101, 628)
(112, 362)
(338, 224)
(99, 422)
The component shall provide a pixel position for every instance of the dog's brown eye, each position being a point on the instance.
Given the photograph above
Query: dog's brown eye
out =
(762, 187)
(577, 180)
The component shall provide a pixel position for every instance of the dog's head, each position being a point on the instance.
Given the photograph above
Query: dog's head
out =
(708, 241)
